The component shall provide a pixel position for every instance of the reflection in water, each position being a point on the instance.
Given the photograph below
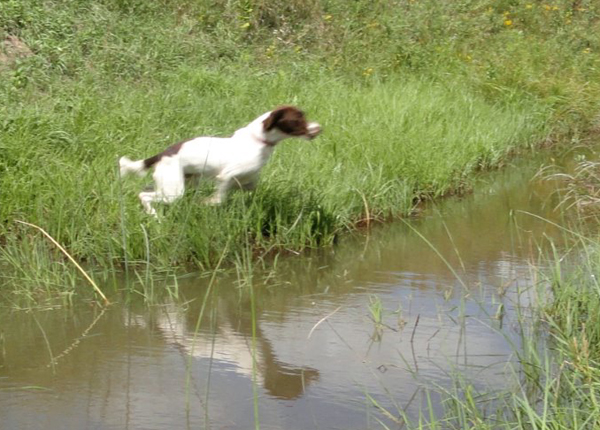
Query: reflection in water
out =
(230, 345)
(146, 367)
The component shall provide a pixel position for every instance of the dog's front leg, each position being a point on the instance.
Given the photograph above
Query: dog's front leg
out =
(223, 186)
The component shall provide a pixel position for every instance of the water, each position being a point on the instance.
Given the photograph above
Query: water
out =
(320, 355)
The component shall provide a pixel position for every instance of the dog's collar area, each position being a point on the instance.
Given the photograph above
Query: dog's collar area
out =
(262, 140)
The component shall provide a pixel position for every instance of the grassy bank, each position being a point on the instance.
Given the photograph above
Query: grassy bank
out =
(414, 97)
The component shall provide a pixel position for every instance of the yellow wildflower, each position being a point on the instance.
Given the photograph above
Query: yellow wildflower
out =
(508, 22)
(368, 71)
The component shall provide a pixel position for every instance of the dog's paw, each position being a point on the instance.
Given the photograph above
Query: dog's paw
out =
(213, 200)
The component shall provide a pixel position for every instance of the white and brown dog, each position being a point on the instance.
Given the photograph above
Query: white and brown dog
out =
(234, 161)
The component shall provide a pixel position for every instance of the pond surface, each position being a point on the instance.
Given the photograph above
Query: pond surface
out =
(379, 318)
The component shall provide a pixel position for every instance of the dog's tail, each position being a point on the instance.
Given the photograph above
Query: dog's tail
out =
(127, 166)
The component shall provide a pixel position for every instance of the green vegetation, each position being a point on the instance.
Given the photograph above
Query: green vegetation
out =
(415, 96)
(557, 382)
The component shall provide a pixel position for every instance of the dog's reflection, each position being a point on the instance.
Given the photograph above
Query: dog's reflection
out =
(230, 343)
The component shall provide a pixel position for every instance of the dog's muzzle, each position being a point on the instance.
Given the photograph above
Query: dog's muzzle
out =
(314, 129)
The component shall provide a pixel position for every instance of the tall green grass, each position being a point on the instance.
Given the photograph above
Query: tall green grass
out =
(414, 96)
(383, 146)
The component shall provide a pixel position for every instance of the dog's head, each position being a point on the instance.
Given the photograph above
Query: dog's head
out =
(289, 121)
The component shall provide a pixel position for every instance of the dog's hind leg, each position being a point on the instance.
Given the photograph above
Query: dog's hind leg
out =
(170, 185)
(147, 198)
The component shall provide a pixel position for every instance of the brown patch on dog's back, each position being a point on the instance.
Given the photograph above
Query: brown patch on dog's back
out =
(169, 152)
(288, 119)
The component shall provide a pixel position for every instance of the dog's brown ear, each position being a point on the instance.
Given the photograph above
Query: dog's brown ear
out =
(273, 119)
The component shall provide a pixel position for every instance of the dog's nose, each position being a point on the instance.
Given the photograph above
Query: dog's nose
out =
(314, 129)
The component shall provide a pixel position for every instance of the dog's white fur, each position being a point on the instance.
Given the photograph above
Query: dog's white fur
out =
(233, 161)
